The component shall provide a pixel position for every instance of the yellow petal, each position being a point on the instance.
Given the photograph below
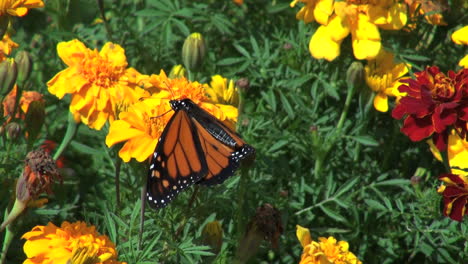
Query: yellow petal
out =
(322, 46)
(464, 62)
(303, 235)
(381, 102)
(323, 10)
(366, 39)
(114, 53)
(72, 52)
(121, 131)
(461, 36)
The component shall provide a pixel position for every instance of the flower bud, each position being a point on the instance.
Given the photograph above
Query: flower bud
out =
(24, 63)
(212, 235)
(13, 131)
(8, 74)
(243, 84)
(193, 51)
(34, 119)
(355, 74)
(177, 71)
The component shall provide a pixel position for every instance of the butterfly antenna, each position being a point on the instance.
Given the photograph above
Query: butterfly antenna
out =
(161, 115)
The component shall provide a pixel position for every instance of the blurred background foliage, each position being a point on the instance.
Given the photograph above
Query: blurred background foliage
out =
(375, 188)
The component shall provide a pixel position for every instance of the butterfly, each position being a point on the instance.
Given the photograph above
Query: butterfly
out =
(194, 148)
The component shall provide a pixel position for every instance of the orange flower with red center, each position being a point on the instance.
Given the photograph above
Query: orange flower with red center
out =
(455, 195)
(434, 102)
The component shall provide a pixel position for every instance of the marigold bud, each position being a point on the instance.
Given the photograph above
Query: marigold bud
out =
(24, 63)
(243, 84)
(34, 119)
(355, 74)
(177, 71)
(212, 235)
(8, 74)
(193, 51)
(13, 131)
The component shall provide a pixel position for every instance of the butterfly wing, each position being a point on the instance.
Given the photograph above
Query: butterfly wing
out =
(223, 149)
(177, 162)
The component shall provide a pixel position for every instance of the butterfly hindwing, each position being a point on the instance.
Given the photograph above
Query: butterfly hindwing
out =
(176, 162)
(223, 149)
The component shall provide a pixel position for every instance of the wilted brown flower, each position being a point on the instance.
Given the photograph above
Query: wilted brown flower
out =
(265, 225)
(39, 173)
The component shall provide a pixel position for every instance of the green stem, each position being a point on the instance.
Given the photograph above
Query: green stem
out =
(349, 97)
(69, 134)
(244, 178)
(6, 244)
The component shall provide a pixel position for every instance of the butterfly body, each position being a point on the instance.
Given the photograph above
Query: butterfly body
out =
(194, 148)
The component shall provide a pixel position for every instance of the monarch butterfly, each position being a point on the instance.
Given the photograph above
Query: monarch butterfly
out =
(194, 148)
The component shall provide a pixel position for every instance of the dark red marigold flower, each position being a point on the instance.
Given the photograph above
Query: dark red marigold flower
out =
(433, 103)
(455, 195)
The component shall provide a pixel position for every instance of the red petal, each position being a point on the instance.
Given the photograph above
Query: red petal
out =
(417, 129)
(443, 118)
(440, 141)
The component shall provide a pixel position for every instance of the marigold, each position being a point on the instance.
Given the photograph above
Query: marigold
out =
(25, 100)
(455, 194)
(434, 103)
(222, 91)
(460, 37)
(457, 152)
(99, 82)
(7, 45)
(326, 251)
(51, 244)
(429, 9)
(18, 7)
(141, 125)
(340, 18)
(382, 75)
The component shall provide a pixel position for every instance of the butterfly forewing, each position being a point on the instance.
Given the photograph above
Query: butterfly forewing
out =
(175, 164)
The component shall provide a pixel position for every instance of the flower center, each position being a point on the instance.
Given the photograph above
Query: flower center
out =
(443, 86)
(101, 72)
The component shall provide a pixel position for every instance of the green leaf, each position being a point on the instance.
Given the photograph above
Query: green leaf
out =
(333, 214)
(365, 140)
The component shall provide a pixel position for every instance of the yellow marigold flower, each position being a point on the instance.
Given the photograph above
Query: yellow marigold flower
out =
(141, 125)
(460, 37)
(99, 82)
(457, 152)
(222, 91)
(326, 251)
(18, 7)
(382, 75)
(314, 10)
(6, 47)
(340, 18)
(51, 244)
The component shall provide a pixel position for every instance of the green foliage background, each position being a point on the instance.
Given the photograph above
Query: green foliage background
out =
(361, 193)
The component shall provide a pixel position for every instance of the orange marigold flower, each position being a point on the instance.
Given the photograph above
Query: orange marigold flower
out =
(325, 251)
(100, 82)
(25, 100)
(455, 194)
(18, 7)
(70, 243)
(433, 104)
(238, 2)
(141, 125)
